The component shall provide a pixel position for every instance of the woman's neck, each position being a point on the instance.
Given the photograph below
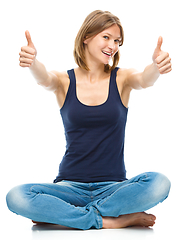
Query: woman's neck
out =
(96, 71)
(94, 75)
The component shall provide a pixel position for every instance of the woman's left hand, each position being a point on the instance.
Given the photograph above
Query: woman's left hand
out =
(161, 58)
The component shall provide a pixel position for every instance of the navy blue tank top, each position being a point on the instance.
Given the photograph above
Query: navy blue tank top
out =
(94, 136)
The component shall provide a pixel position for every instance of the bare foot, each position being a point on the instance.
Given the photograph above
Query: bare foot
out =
(134, 219)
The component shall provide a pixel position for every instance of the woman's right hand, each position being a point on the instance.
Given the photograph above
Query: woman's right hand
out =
(28, 53)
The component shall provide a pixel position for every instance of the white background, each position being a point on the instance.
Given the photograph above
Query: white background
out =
(31, 132)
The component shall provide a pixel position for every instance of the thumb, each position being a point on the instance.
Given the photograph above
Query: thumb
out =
(28, 37)
(159, 44)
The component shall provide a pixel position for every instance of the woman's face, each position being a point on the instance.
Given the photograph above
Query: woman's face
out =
(102, 47)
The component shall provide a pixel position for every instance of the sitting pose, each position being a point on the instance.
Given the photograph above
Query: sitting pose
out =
(91, 189)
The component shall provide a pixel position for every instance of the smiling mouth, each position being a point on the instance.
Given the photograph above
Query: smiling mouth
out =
(107, 54)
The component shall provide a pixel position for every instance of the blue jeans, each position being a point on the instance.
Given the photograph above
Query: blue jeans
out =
(82, 205)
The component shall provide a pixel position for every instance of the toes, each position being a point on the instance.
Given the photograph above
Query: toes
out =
(153, 217)
(149, 221)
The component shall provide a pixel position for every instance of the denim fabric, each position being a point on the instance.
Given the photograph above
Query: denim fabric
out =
(82, 205)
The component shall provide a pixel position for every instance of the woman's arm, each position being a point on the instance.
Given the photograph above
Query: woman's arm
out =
(28, 53)
(161, 65)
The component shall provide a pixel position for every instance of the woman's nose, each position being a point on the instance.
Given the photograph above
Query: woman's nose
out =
(111, 45)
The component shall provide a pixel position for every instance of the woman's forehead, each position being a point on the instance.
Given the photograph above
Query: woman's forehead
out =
(113, 31)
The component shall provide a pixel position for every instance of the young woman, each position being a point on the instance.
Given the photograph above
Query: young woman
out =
(91, 189)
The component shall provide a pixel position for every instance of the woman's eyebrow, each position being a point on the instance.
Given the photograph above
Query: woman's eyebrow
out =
(112, 35)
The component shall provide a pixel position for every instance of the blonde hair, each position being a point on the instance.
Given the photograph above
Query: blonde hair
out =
(95, 23)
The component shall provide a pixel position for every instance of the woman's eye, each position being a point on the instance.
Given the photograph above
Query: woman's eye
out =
(106, 37)
(117, 41)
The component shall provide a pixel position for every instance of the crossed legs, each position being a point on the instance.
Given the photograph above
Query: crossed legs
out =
(115, 205)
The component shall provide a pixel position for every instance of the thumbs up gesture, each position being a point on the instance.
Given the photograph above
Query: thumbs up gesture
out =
(161, 58)
(28, 53)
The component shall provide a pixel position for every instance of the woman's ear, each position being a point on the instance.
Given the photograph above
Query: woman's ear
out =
(85, 40)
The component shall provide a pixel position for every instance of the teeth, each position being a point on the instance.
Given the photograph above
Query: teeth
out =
(109, 54)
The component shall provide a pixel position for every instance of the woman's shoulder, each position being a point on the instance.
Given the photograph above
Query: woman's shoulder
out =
(123, 74)
(61, 75)
(63, 86)
(63, 81)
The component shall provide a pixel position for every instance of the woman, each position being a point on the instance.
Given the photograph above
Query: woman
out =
(91, 189)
